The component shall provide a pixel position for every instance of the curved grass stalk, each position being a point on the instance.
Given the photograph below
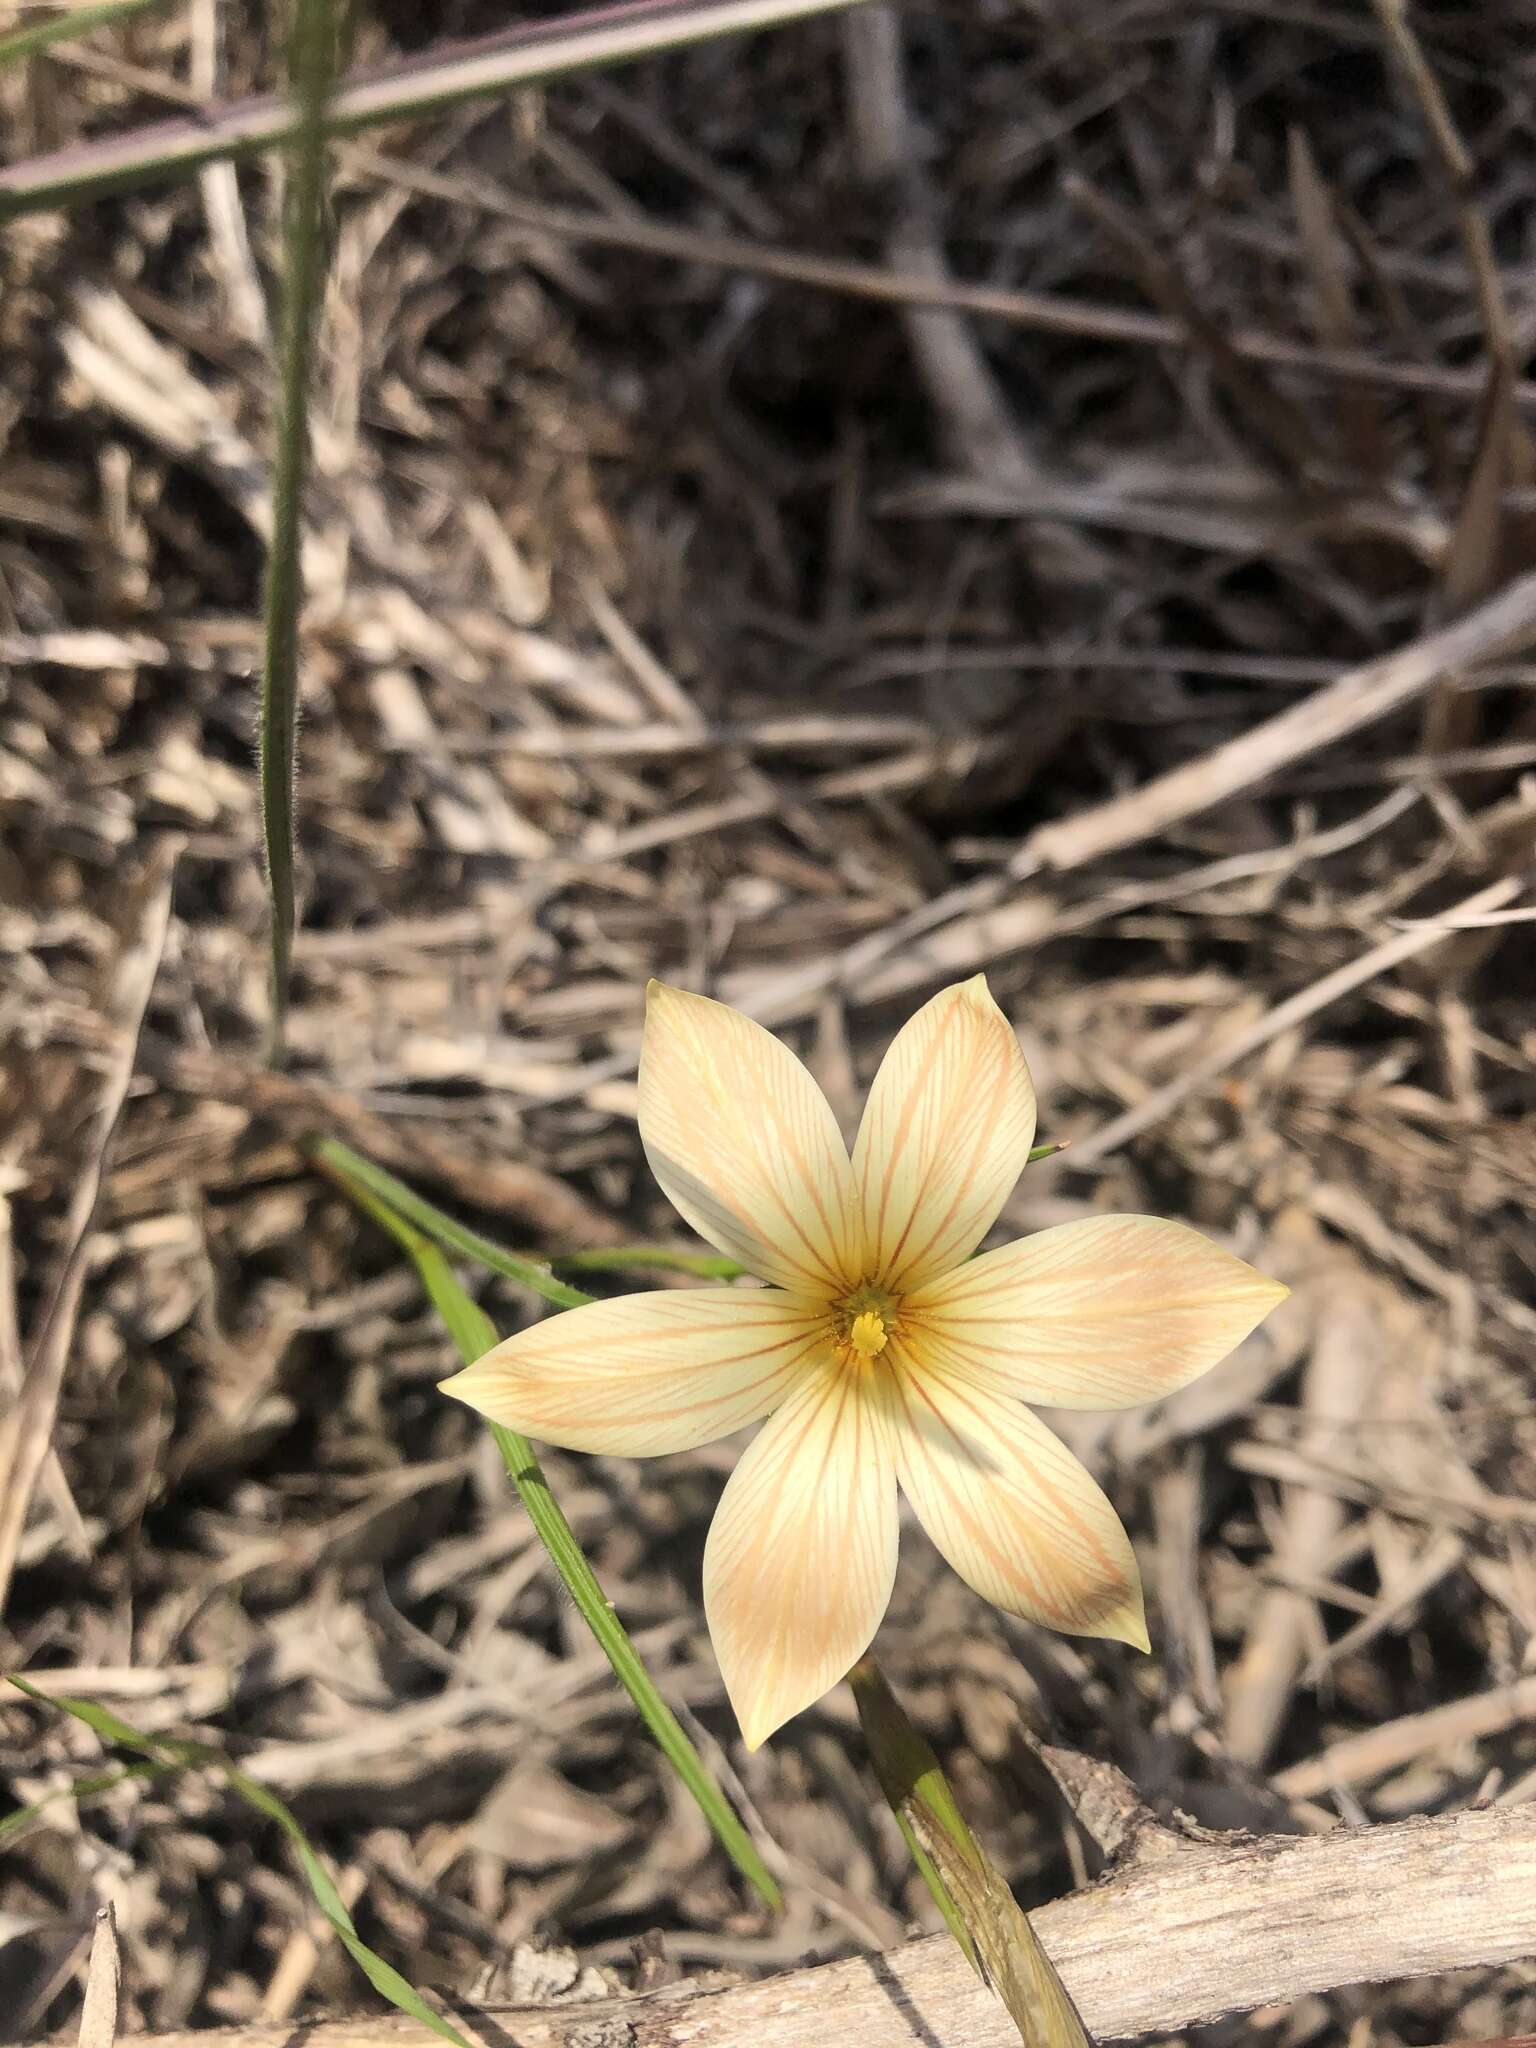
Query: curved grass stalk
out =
(167, 1754)
(352, 1171)
(474, 1334)
(534, 1274)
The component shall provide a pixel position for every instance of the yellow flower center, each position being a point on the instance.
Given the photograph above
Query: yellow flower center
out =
(867, 1334)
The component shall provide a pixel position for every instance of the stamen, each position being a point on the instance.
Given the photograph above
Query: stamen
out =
(867, 1335)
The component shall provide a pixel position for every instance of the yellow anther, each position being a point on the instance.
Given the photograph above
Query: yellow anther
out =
(867, 1335)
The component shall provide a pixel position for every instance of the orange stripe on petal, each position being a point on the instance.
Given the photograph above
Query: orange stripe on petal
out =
(801, 1555)
(1103, 1313)
(946, 1131)
(744, 1144)
(648, 1373)
(1012, 1510)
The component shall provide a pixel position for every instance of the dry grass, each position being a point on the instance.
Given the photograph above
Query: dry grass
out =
(671, 617)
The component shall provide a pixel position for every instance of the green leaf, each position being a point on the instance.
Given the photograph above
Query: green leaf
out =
(977, 1904)
(652, 1258)
(474, 1333)
(351, 1171)
(166, 1753)
(534, 1274)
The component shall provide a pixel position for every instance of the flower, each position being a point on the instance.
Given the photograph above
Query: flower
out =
(880, 1352)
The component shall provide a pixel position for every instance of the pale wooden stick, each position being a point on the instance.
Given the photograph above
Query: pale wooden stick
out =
(1296, 1009)
(1341, 1375)
(26, 1435)
(1186, 1932)
(1356, 1759)
(1358, 698)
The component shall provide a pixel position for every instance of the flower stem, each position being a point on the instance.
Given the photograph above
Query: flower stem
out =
(978, 1908)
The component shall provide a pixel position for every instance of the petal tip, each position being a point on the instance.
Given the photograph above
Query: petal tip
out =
(456, 1389)
(758, 1715)
(975, 990)
(1128, 1624)
(1138, 1637)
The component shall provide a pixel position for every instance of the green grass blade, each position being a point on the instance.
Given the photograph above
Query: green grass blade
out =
(353, 1171)
(312, 66)
(89, 1787)
(652, 1258)
(534, 1274)
(174, 1754)
(474, 1333)
(66, 26)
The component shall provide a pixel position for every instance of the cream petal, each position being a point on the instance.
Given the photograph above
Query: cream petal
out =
(1011, 1508)
(648, 1373)
(801, 1555)
(946, 1131)
(1103, 1313)
(744, 1144)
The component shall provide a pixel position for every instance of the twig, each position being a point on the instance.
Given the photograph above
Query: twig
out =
(1047, 312)
(1168, 1942)
(975, 418)
(1374, 1752)
(1340, 1377)
(446, 75)
(1460, 171)
(103, 1984)
(1360, 697)
(1306, 1002)
(28, 1430)
(13, 1378)
(45, 182)
(301, 1108)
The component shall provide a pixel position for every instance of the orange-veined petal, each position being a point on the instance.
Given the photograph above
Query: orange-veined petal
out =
(1103, 1313)
(744, 1143)
(801, 1555)
(1010, 1507)
(648, 1373)
(946, 1131)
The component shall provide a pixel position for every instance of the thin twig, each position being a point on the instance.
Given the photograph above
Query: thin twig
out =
(446, 75)
(1306, 1002)
(28, 1429)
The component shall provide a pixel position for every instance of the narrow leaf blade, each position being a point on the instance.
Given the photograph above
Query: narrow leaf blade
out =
(168, 1753)
(473, 1334)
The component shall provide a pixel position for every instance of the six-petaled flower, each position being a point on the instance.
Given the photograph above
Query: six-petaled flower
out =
(880, 1351)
